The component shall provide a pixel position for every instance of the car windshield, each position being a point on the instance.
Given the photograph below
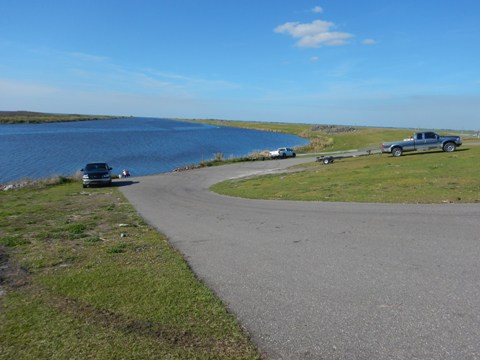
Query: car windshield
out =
(96, 166)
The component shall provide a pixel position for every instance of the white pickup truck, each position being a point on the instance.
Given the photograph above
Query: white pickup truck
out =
(422, 141)
(282, 153)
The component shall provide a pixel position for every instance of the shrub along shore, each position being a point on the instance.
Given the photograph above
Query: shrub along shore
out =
(30, 117)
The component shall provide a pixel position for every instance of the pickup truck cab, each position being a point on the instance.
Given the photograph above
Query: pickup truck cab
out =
(422, 141)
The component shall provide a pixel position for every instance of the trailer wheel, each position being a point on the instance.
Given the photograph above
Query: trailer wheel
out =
(397, 151)
(449, 147)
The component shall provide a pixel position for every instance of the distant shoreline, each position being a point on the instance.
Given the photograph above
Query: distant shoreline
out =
(30, 117)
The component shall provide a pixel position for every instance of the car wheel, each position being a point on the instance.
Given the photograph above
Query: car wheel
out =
(449, 147)
(397, 151)
(326, 161)
(294, 155)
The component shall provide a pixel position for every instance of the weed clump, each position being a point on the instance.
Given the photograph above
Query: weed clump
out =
(12, 241)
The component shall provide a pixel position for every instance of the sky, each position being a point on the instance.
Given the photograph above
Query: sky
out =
(410, 63)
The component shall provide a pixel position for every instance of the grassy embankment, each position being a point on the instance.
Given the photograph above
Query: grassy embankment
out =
(322, 138)
(427, 177)
(325, 137)
(435, 177)
(29, 117)
(82, 276)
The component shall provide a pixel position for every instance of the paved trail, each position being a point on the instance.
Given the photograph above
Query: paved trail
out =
(312, 280)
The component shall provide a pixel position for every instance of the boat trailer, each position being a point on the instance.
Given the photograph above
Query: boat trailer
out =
(329, 159)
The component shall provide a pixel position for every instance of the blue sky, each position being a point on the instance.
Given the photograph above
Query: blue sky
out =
(375, 63)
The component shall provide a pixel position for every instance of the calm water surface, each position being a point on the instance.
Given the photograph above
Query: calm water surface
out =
(144, 146)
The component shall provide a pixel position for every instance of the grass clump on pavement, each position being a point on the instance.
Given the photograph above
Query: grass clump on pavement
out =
(82, 276)
(430, 177)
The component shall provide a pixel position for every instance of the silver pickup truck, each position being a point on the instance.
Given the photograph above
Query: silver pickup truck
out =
(422, 141)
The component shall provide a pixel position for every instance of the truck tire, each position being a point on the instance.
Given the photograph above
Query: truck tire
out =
(397, 151)
(449, 147)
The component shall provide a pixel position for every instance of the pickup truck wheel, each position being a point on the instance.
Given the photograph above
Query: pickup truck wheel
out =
(449, 147)
(397, 151)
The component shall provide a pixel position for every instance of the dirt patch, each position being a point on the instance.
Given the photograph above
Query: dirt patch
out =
(12, 276)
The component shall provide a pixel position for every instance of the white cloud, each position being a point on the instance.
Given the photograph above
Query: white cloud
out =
(314, 34)
(369, 42)
(317, 9)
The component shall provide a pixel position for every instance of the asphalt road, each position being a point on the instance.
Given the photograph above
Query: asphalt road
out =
(314, 280)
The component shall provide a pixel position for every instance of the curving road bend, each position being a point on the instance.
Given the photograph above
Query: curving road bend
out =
(314, 280)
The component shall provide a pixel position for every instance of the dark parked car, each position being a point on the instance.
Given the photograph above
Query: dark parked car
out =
(96, 174)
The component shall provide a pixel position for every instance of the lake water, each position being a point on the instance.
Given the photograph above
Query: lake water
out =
(144, 146)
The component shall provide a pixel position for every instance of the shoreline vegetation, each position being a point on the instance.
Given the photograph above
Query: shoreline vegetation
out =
(30, 117)
(322, 138)
(327, 137)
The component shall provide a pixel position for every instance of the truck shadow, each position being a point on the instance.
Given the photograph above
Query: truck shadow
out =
(418, 153)
(120, 183)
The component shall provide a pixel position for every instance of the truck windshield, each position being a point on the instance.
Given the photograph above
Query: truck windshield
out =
(97, 166)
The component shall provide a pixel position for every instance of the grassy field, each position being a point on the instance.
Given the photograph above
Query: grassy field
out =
(326, 137)
(426, 177)
(435, 177)
(323, 138)
(82, 276)
(29, 117)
